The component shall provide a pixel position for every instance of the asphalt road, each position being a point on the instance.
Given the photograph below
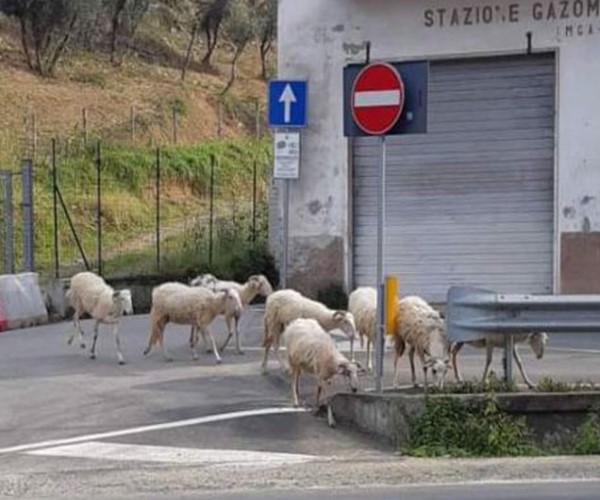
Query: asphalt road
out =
(73, 426)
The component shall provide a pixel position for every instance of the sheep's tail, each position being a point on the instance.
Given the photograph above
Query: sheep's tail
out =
(157, 329)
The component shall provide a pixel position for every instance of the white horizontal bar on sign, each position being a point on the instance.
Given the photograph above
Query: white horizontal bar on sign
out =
(377, 98)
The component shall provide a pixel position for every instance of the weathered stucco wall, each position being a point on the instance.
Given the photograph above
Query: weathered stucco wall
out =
(318, 37)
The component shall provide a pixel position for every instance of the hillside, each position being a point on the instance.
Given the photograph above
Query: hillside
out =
(149, 81)
(146, 86)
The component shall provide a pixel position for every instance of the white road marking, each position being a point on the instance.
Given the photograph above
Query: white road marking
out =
(377, 98)
(151, 428)
(173, 455)
(503, 482)
(574, 350)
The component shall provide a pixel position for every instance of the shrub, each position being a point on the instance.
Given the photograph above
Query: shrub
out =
(333, 296)
(450, 427)
(587, 441)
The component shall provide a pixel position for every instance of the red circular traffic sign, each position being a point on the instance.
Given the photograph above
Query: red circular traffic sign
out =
(377, 98)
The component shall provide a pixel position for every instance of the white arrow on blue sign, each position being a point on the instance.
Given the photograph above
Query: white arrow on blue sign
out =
(287, 103)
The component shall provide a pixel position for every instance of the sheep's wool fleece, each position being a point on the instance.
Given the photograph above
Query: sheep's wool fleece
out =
(185, 304)
(421, 325)
(362, 303)
(92, 293)
(310, 347)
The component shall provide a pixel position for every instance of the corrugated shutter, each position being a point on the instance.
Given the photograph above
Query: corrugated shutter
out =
(471, 202)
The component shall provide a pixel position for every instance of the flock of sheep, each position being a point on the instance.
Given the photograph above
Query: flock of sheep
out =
(303, 326)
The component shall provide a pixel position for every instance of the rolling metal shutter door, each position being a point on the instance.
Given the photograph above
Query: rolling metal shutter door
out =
(471, 202)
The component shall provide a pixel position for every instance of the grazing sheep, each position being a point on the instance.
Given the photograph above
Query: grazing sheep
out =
(362, 303)
(255, 285)
(89, 293)
(311, 350)
(422, 327)
(537, 341)
(284, 306)
(186, 305)
(205, 280)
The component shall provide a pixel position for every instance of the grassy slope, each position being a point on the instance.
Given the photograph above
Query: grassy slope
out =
(151, 85)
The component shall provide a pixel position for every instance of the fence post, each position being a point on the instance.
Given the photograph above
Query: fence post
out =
(99, 204)
(220, 122)
(211, 215)
(9, 265)
(27, 215)
(33, 136)
(132, 122)
(158, 209)
(55, 209)
(257, 125)
(85, 127)
(174, 125)
(254, 189)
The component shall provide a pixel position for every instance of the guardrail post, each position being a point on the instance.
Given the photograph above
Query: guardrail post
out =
(9, 264)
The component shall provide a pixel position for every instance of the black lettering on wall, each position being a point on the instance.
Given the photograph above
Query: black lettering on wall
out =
(593, 8)
(513, 12)
(564, 9)
(538, 11)
(551, 11)
(428, 18)
(578, 8)
(455, 20)
(468, 16)
(441, 13)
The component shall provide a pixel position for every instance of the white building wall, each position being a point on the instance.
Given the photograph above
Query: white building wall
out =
(318, 37)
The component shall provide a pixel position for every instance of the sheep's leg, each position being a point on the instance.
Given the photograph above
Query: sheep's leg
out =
(370, 358)
(238, 342)
(455, 350)
(194, 344)
(488, 362)
(96, 330)
(425, 368)
(282, 363)
(411, 358)
(352, 350)
(527, 380)
(78, 329)
(118, 344)
(265, 357)
(319, 392)
(399, 351)
(295, 385)
(229, 332)
(214, 345)
(193, 337)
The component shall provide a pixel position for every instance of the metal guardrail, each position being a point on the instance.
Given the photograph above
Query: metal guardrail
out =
(473, 312)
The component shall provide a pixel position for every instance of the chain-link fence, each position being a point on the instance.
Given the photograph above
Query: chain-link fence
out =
(174, 210)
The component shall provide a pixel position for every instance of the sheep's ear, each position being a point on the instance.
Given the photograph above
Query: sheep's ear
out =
(360, 368)
(342, 369)
(116, 295)
(339, 315)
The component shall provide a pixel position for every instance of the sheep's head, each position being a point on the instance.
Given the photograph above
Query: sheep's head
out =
(123, 300)
(344, 320)
(260, 284)
(351, 370)
(232, 301)
(538, 341)
(439, 368)
(205, 280)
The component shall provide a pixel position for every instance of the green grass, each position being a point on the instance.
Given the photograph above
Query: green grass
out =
(129, 201)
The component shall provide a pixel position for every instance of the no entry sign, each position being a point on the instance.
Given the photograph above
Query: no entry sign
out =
(377, 98)
(378, 94)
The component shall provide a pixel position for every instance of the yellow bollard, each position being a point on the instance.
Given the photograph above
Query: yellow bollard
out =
(391, 303)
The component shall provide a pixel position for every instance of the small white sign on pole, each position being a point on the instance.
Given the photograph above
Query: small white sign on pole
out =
(287, 155)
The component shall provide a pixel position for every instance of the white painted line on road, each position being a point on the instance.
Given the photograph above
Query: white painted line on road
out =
(173, 455)
(151, 428)
(574, 350)
(503, 482)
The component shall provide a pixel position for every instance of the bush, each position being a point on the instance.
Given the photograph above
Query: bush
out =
(333, 296)
(450, 427)
(587, 441)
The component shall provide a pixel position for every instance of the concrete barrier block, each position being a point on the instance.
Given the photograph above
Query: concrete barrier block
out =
(21, 301)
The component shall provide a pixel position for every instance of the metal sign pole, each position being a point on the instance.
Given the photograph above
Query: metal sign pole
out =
(286, 220)
(380, 340)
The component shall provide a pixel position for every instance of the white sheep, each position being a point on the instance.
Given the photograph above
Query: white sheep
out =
(284, 306)
(362, 303)
(310, 349)
(537, 341)
(255, 285)
(89, 293)
(205, 280)
(182, 304)
(423, 329)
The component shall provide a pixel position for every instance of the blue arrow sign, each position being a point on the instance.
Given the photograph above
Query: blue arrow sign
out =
(287, 103)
